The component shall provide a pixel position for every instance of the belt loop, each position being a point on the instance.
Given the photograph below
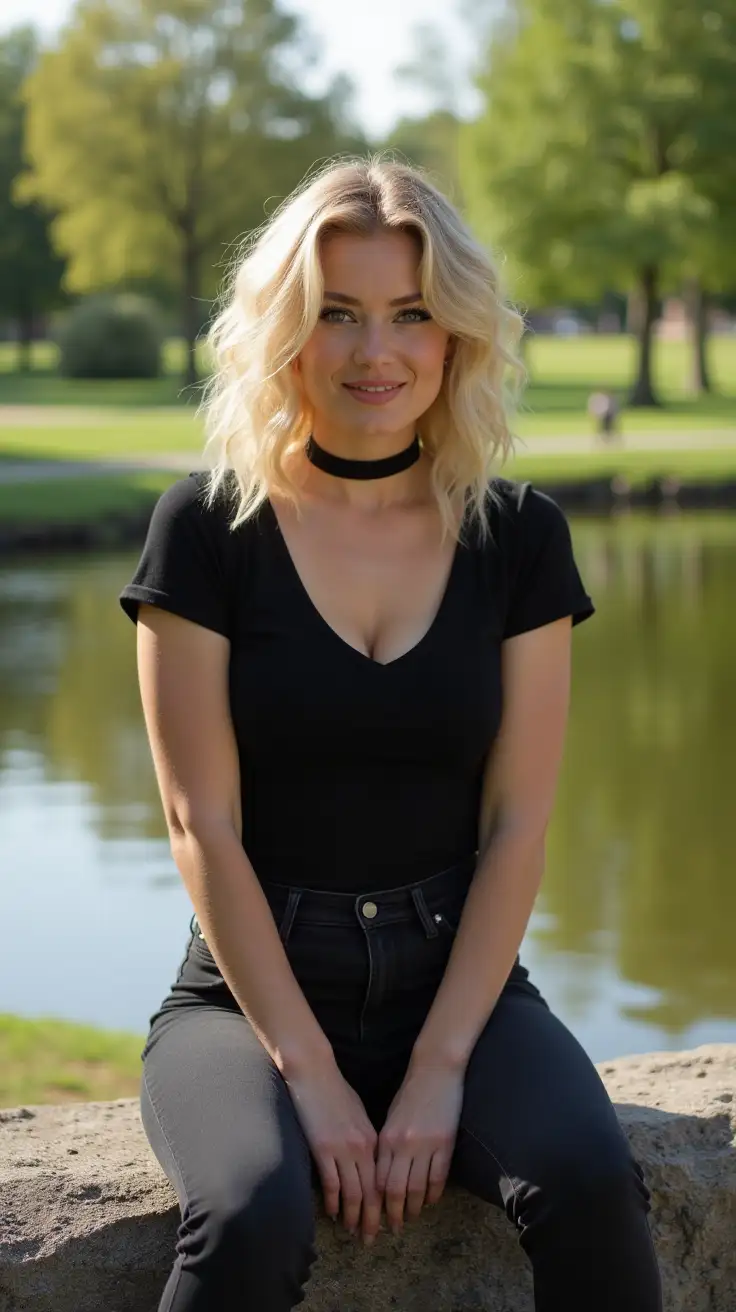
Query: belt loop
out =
(292, 902)
(418, 898)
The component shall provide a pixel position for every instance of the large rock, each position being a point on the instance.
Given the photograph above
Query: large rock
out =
(88, 1220)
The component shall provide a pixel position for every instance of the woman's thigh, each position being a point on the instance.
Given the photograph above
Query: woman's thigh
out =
(220, 1119)
(536, 1115)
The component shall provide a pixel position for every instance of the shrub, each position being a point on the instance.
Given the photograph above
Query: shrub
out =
(111, 337)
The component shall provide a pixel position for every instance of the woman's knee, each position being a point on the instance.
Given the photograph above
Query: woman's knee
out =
(256, 1234)
(274, 1212)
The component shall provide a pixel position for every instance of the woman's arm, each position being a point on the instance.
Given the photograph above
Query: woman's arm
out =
(415, 1145)
(518, 794)
(183, 675)
(182, 670)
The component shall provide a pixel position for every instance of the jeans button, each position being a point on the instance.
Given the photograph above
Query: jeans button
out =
(369, 910)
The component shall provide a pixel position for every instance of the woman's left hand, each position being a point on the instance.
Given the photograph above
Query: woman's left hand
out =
(416, 1144)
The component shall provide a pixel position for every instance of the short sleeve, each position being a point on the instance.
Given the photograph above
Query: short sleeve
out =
(545, 584)
(181, 567)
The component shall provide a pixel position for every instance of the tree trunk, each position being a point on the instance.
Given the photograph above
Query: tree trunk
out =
(696, 300)
(642, 393)
(25, 341)
(190, 308)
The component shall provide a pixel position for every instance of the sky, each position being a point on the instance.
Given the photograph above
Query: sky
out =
(368, 45)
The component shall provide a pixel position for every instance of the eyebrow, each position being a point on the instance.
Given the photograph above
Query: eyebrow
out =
(352, 300)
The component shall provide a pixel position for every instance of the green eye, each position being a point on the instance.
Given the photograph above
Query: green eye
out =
(330, 310)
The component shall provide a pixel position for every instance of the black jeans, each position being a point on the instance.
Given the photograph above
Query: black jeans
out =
(538, 1134)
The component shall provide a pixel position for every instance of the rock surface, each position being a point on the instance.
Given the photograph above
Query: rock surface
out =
(88, 1220)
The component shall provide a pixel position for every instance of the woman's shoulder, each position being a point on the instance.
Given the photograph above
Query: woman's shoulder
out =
(520, 514)
(186, 506)
(187, 497)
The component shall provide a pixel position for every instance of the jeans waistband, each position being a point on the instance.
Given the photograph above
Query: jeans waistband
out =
(371, 909)
(423, 898)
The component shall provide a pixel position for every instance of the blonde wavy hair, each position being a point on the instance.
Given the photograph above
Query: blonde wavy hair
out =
(254, 411)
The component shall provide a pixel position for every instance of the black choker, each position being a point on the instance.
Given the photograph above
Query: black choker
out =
(342, 468)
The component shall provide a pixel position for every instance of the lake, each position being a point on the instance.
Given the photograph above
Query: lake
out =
(632, 939)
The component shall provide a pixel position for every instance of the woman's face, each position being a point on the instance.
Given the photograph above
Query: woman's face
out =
(374, 331)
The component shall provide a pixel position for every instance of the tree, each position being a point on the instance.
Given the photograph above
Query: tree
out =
(586, 163)
(432, 144)
(30, 271)
(159, 128)
(431, 140)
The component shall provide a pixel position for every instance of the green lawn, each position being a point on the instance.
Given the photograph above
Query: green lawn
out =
(562, 374)
(636, 466)
(81, 500)
(54, 1061)
(104, 437)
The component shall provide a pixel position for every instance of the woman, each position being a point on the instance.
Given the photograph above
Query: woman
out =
(354, 653)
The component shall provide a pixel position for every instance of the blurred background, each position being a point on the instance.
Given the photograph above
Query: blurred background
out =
(592, 145)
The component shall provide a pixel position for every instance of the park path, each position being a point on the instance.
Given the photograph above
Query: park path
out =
(35, 471)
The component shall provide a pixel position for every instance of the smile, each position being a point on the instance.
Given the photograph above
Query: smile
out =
(374, 393)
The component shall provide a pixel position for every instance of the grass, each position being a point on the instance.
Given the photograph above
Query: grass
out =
(81, 500)
(55, 1061)
(147, 433)
(563, 373)
(636, 466)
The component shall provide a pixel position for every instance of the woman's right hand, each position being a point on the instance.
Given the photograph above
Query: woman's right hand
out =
(343, 1142)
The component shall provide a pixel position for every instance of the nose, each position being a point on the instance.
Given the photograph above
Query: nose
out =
(373, 345)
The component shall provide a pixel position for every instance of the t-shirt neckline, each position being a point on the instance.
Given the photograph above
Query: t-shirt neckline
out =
(317, 616)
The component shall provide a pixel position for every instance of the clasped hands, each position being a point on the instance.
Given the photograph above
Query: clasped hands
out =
(403, 1168)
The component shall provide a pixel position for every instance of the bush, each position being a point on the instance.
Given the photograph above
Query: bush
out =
(111, 337)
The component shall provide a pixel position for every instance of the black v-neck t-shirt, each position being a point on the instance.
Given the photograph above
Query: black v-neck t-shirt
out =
(357, 776)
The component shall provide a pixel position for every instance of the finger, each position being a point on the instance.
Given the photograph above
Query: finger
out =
(352, 1193)
(395, 1193)
(383, 1165)
(437, 1177)
(416, 1187)
(328, 1174)
(371, 1213)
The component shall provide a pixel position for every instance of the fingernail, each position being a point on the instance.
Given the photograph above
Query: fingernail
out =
(368, 1240)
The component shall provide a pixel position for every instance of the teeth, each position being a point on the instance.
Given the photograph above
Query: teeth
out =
(359, 388)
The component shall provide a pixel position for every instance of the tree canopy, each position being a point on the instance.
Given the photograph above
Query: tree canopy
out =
(156, 129)
(604, 157)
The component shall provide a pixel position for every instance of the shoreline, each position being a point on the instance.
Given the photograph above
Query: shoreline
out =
(582, 495)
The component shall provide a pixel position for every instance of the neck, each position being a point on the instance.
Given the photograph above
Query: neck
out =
(351, 445)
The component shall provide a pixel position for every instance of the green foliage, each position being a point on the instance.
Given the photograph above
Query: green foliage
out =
(432, 144)
(603, 123)
(30, 271)
(159, 130)
(111, 337)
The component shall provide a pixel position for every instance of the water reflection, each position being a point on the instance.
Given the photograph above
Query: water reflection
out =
(632, 937)
(641, 852)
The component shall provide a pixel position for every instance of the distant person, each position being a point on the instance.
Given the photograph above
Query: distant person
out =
(356, 721)
(603, 406)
